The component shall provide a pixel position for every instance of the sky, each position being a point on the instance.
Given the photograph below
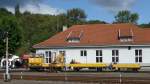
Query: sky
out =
(103, 10)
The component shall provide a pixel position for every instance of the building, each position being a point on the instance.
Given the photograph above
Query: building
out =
(96, 43)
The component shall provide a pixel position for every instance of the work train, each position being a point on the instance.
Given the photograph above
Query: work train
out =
(37, 62)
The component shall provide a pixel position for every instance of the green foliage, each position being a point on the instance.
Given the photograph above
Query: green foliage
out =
(26, 29)
(126, 17)
(145, 25)
(75, 16)
(96, 22)
(9, 24)
(37, 28)
(17, 10)
(4, 12)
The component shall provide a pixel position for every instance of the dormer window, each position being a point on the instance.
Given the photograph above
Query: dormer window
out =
(125, 35)
(73, 40)
(126, 39)
(74, 36)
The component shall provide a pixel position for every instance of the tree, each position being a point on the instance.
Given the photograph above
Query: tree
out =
(9, 24)
(27, 29)
(37, 27)
(26, 13)
(134, 17)
(4, 12)
(17, 10)
(95, 22)
(126, 17)
(2, 34)
(75, 16)
(61, 20)
(145, 25)
(76, 13)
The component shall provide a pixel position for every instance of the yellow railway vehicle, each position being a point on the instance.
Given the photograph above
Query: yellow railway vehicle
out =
(58, 64)
(101, 65)
(126, 66)
(98, 66)
(35, 63)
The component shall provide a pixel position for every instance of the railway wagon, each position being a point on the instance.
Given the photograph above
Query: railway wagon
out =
(37, 63)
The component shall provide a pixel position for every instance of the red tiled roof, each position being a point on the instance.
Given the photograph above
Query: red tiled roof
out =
(74, 34)
(98, 35)
(125, 32)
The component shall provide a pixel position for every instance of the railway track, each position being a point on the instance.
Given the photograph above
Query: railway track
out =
(86, 77)
(124, 80)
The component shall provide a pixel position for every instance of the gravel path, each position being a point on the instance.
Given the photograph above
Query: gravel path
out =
(39, 82)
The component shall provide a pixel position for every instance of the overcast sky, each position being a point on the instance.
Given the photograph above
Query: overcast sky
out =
(95, 9)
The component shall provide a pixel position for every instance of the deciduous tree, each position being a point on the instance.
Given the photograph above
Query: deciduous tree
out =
(126, 17)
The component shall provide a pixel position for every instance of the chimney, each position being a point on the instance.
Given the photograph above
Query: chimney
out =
(65, 28)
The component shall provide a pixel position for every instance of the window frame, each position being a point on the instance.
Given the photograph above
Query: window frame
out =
(115, 56)
(99, 56)
(48, 56)
(99, 53)
(83, 53)
(138, 56)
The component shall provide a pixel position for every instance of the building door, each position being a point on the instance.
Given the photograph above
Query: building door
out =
(48, 57)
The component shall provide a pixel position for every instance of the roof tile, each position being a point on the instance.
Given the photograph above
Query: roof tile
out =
(98, 34)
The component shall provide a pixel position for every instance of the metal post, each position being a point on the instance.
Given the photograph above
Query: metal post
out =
(120, 80)
(7, 75)
(21, 76)
(66, 79)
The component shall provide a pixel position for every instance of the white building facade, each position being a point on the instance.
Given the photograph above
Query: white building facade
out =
(109, 54)
(118, 47)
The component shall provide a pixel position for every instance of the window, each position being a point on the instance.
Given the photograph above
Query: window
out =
(48, 57)
(74, 40)
(83, 53)
(99, 57)
(115, 56)
(126, 39)
(115, 52)
(98, 52)
(125, 35)
(138, 56)
(74, 36)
